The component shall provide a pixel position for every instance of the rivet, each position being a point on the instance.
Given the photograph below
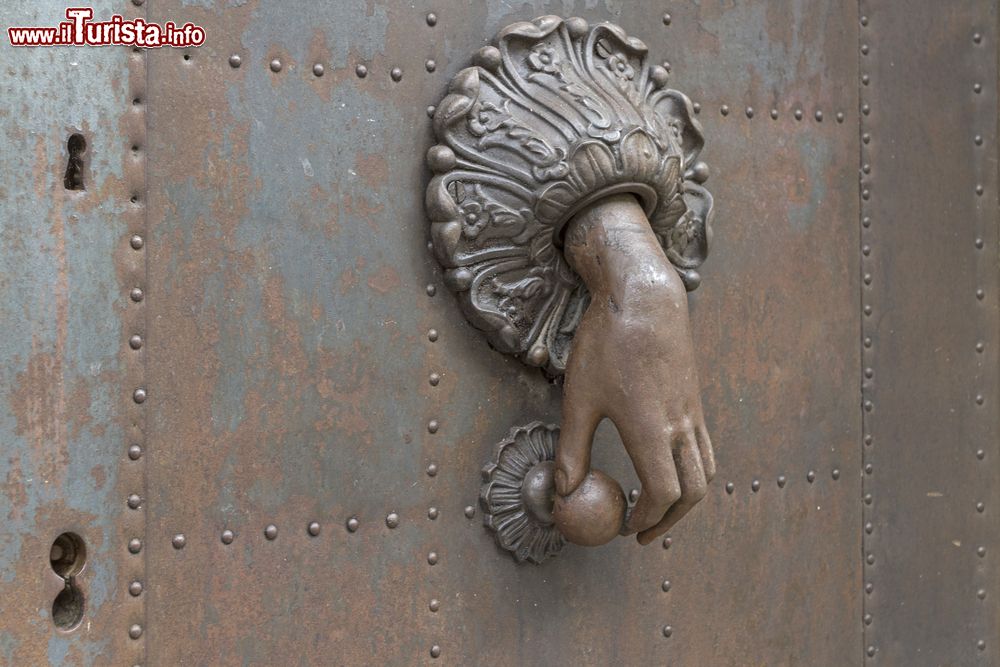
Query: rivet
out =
(864, 20)
(435, 651)
(430, 65)
(227, 536)
(392, 520)
(666, 19)
(139, 395)
(434, 379)
(430, 114)
(866, 108)
(235, 61)
(135, 452)
(819, 116)
(869, 372)
(835, 473)
(135, 631)
(432, 335)
(470, 511)
(432, 513)
(870, 559)
(178, 541)
(979, 244)
(135, 589)
(434, 605)
(981, 552)
(271, 531)
(871, 651)
(396, 73)
(432, 426)
(981, 594)
(980, 454)
(696, 106)
(866, 168)
(868, 439)
(979, 190)
(134, 501)
(431, 290)
(313, 528)
(869, 587)
(980, 507)
(977, 38)
(724, 110)
(781, 481)
(432, 469)
(755, 485)
(135, 341)
(774, 114)
(633, 495)
(275, 65)
(869, 527)
(864, 49)
(867, 619)
(868, 341)
(980, 347)
(840, 116)
(432, 19)
(979, 140)
(361, 71)
(869, 405)
(665, 586)
(866, 138)
(136, 242)
(980, 294)
(667, 631)
(798, 114)
(977, 87)
(866, 194)
(868, 279)
(318, 69)
(136, 294)
(667, 542)
(749, 112)
(981, 644)
(865, 79)
(979, 399)
(730, 487)
(352, 525)
(866, 221)
(432, 558)
(811, 476)
(135, 545)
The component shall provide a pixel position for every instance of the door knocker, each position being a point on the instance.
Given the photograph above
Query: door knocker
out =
(568, 213)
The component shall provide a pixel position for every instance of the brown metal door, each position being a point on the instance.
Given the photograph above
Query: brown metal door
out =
(232, 367)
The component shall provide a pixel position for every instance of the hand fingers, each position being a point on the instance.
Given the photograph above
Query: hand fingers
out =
(694, 486)
(576, 438)
(648, 445)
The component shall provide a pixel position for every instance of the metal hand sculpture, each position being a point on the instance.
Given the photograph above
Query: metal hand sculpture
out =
(567, 211)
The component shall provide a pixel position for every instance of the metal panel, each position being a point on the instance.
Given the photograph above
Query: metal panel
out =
(297, 317)
(929, 246)
(66, 370)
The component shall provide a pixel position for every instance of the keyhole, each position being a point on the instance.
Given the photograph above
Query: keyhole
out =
(76, 146)
(67, 557)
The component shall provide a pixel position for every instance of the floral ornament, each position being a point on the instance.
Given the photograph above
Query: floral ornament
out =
(617, 62)
(543, 58)
(556, 114)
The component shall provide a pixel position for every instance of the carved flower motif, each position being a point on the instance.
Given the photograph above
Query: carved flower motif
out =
(474, 218)
(620, 67)
(485, 118)
(684, 232)
(543, 58)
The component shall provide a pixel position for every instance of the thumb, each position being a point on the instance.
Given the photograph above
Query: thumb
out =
(576, 438)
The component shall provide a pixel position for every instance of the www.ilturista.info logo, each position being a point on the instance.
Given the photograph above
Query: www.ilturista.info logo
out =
(79, 30)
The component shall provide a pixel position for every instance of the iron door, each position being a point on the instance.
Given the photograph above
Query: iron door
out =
(234, 369)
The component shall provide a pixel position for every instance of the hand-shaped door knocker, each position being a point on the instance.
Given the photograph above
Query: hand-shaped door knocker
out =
(567, 210)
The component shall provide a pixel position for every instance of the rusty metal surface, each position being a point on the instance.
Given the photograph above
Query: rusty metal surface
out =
(301, 345)
(929, 248)
(66, 416)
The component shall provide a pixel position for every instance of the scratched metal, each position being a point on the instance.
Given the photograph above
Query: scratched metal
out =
(289, 355)
(935, 448)
(63, 408)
